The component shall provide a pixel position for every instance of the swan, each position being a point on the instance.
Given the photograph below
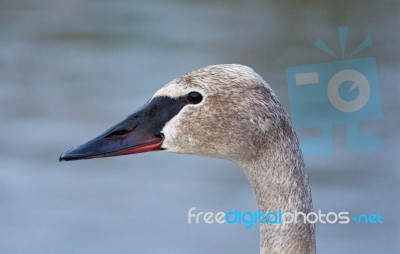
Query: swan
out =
(224, 111)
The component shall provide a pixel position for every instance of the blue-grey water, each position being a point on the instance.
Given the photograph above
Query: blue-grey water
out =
(71, 69)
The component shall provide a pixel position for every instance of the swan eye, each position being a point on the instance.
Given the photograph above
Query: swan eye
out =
(194, 97)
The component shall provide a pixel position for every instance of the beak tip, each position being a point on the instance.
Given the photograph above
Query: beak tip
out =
(62, 158)
(67, 155)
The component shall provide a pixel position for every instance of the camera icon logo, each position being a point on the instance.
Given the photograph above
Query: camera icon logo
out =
(359, 80)
(340, 92)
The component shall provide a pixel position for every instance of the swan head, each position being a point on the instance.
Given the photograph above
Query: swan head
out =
(225, 111)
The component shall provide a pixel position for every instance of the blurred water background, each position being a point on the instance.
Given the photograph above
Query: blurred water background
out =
(71, 69)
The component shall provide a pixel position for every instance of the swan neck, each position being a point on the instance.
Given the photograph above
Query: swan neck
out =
(280, 183)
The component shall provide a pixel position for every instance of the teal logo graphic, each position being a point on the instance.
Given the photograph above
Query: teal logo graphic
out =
(340, 92)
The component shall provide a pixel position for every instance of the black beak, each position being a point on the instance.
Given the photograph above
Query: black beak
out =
(140, 132)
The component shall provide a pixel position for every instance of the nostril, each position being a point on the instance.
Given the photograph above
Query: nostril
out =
(121, 131)
(117, 133)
